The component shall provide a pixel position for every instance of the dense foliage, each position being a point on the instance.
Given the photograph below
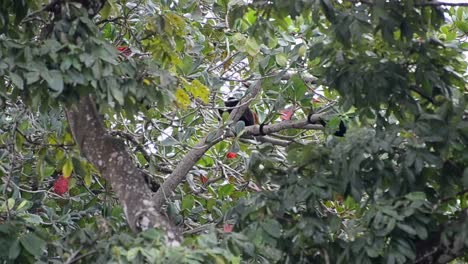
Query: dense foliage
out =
(394, 189)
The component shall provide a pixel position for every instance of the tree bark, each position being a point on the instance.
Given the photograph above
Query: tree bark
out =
(111, 158)
(109, 155)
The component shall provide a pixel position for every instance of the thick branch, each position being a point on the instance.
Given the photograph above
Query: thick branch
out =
(192, 157)
(283, 125)
(110, 156)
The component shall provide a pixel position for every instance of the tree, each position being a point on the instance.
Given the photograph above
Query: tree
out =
(113, 148)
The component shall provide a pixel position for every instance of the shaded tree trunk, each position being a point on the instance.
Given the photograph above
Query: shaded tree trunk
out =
(110, 156)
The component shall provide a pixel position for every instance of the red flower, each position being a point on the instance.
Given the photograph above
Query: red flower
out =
(231, 155)
(228, 228)
(287, 113)
(203, 179)
(61, 185)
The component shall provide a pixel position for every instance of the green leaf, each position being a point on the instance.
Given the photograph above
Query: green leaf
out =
(334, 122)
(252, 47)
(24, 204)
(416, 196)
(32, 218)
(240, 126)
(17, 80)
(187, 202)
(133, 253)
(272, 227)
(32, 77)
(281, 59)
(54, 79)
(66, 64)
(88, 59)
(14, 250)
(421, 231)
(238, 41)
(88, 179)
(117, 94)
(299, 87)
(151, 234)
(226, 190)
(463, 26)
(33, 244)
(10, 202)
(105, 11)
(406, 228)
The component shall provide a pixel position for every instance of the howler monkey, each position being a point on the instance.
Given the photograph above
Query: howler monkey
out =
(249, 117)
(341, 128)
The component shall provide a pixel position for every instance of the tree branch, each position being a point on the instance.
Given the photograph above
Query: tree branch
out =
(192, 157)
(109, 155)
(195, 154)
(287, 124)
(263, 139)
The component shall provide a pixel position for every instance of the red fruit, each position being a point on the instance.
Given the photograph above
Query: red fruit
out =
(231, 155)
(61, 185)
(203, 179)
(228, 228)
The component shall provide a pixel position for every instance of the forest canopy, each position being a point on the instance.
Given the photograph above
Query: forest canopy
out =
(231, 131)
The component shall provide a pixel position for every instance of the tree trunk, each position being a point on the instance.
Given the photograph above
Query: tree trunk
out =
(110, 156)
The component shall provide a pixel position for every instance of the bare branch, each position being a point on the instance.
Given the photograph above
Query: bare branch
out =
(263, 139)
(287, 124)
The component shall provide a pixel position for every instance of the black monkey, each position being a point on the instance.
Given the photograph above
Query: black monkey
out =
(341, 128)
(249, 117)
